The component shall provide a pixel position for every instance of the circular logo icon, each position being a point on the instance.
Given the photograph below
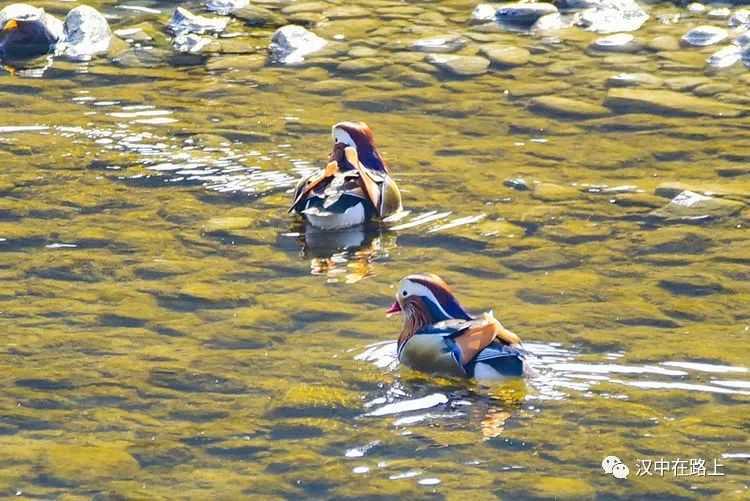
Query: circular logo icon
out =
(609, 463)
(620, 470)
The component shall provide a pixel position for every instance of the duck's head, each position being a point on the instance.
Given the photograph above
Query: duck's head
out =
(357, 135)
(26, 31)
(426, 299)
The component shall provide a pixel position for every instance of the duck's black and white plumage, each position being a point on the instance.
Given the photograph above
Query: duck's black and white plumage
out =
(27, 32)
(354, 188)
(440, 337)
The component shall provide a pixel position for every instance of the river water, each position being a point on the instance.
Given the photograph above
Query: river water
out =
(170, 332)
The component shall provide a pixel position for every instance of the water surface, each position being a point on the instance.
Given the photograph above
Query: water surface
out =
(170, 332)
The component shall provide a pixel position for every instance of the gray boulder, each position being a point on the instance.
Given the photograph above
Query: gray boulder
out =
(290, 44)
(86, 34)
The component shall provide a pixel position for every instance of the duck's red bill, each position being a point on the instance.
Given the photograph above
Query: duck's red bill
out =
(395, 308)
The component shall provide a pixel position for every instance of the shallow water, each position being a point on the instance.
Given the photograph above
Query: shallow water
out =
(170, 332)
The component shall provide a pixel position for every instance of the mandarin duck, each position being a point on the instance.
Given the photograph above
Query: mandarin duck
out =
(27, 32)
(440, 337)
(354, 188)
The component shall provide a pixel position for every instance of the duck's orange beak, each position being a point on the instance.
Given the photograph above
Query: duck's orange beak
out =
(395, 308)
(10, 25)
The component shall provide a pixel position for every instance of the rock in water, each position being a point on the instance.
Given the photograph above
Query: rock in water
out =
(505, 55)
(563, 106)
(702, 36)
(550, 22)
(609, 16)
(225, 7)
(665, 102)
(448, 43)
(86, 34)
(726, 57)
(741, 18)
(693, 206)
(459, 65)
(523, 14)
(184, 21)
(483, 13)
(190, 43)
(620, 42)
(291, 43)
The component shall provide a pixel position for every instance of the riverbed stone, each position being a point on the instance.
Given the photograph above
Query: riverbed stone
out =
(740, 17)
(663, 43)
(522, 89)
(253, 15)
(459, 65)
(86, 34)
(686, 83)
(346, 12)
(719, 13)
(242, 62)
(440, 44)
(704, 35)
(689, 205)
(645, 80)
(523, 14)
(184, 21)
(290, 44)
(668, 102)
(619, 42)
(564, 106)
(225, 7)
(505, 55)
(551, 22)
(711, 89)
(483, 13)
(550, 192)
(725, 57)
(609, 16)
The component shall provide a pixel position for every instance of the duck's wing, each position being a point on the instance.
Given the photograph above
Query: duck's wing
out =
(480, 334)
(308, 184)
(497, 360)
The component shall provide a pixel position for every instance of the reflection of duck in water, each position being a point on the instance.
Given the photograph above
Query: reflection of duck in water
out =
(348, 253)
(440, 337)
(354, 188)
(27, 32)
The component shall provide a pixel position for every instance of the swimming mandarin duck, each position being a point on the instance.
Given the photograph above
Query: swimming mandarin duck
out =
(440, 337)
(354, 188)
(26, 31)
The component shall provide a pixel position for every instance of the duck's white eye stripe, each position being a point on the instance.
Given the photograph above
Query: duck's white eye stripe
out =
(341, 136)
(415, 289)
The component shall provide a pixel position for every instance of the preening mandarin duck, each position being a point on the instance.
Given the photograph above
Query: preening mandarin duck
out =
(27, 31)
(440, 337)
(354, 188)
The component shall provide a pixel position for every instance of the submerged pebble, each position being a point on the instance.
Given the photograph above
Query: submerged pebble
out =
(523, 14)
(483, 13)
(505, 55)
(459, 65)
(184, 21)
(690, 205)
(224, 7)
(620, 42)
(702, 36)
(668, 103)
(726, 57)
(449, 43)
(609, 16)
